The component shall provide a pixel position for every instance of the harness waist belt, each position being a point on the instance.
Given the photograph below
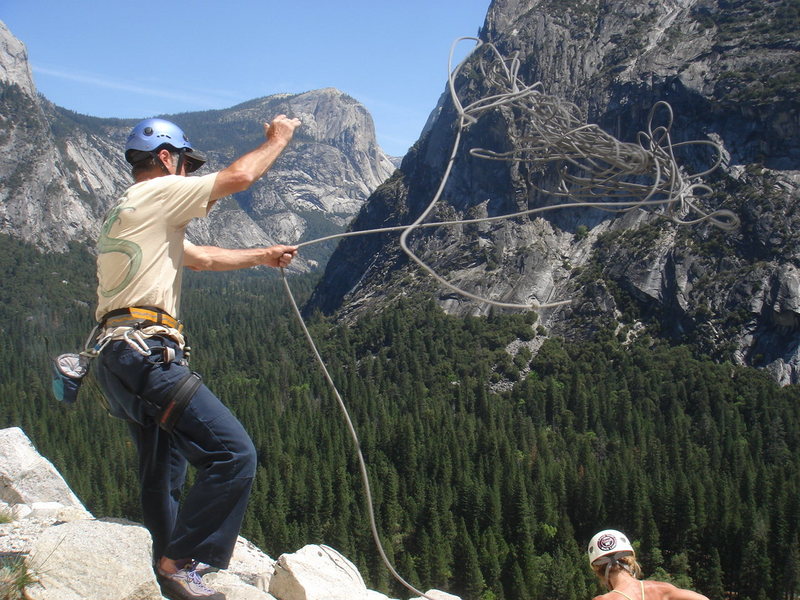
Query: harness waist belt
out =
(122, 316)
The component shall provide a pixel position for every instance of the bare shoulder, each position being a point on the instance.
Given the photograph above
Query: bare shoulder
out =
(667, 591)
(604, 597)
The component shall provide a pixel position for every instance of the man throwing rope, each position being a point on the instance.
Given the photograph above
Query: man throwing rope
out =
(142, 368)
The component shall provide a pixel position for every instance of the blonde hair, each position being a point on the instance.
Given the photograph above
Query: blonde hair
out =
(604, 568)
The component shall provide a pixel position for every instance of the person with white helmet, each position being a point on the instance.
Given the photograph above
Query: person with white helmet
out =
(613, 559)
(143, 370)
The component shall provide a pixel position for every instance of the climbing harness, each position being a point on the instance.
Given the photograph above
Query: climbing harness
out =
(177, 401)
(145, 316)
(134, 326)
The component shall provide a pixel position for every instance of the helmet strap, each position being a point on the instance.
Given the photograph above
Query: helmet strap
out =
(613, 560)
(181, 160)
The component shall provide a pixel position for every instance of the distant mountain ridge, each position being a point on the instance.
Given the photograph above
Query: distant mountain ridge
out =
(61, 170)
(729, 70)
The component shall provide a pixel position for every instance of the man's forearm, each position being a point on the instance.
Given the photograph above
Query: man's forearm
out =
(248, 168)
(212, 258)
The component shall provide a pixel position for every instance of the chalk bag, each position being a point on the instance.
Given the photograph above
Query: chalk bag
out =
(68, 373)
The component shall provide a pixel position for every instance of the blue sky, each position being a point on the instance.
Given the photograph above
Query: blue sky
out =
(138, 59)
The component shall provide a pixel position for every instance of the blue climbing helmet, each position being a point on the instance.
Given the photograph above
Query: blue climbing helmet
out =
(148, 137)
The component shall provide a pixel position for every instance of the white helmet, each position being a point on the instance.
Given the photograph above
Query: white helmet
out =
(609, 541)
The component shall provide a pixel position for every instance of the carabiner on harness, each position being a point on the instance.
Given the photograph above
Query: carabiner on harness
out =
(137, 343)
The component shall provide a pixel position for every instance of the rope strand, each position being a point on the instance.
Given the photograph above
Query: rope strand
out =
(361, 462)
(593, 168)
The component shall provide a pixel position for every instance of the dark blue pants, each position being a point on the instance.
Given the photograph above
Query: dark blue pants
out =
(205, 525)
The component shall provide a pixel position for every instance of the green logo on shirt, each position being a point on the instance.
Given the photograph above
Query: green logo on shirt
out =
(107, 244)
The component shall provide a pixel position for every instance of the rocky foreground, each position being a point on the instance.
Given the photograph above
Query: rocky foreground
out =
(72, 555)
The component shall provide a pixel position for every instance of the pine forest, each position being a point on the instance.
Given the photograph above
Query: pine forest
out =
(490, 469)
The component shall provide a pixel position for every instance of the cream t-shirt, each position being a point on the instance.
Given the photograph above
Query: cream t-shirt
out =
(140, 249)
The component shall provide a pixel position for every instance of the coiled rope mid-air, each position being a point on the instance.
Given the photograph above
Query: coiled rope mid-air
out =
(591, 167)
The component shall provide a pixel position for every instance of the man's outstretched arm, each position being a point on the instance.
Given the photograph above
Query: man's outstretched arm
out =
(248, 168)
(212, 258)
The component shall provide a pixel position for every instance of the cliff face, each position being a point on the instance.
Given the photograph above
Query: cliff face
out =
(729, 71)
(51, 192)
(61, 171)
